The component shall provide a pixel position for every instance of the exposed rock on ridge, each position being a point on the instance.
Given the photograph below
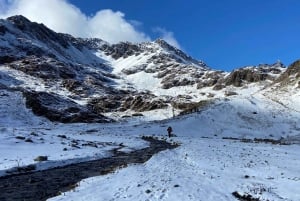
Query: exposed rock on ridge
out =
(72, 79)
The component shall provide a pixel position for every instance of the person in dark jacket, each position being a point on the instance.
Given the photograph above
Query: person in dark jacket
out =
(169, 131)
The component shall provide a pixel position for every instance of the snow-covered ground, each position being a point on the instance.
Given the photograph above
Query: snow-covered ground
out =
(24, 137)
(204, 167)
(201, 169)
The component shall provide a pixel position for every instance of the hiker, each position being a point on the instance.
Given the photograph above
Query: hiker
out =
(169, 131)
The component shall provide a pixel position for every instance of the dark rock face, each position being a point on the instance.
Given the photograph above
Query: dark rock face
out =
(121, 50)
(293, 69)
(39, 31)
(143, 102)
(90, 43)
(230, 93)
(105, 104)
(253, 74)
(74, 78)
(236, 78)
(6, 59)
(71, 84)
(33, 39)
(44, 68)
(19, 21)
(174, 74)
(3, 30)
(210, 79)
(56, 108)
(171, 81)
(190, 107)
(121, 102)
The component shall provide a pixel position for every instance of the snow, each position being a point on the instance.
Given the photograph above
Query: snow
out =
(152, 115)
(143, 81)
(201, 169)
(62, 143)
(205, 166)
(288, 97)
(15, 78)
(130, 61)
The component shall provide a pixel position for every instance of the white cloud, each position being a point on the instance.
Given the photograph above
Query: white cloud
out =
(168, 36)
(109, 24)
(61, 16)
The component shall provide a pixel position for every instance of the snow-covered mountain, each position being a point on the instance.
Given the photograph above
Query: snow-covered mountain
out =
(71, 79)
(239, 135)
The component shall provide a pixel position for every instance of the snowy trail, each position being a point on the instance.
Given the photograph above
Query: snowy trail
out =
(48, 183)
(201, 169)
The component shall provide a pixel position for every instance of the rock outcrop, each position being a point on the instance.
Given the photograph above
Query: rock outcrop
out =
(291, 74)
(258, 73)
(56, 108)
(138, 102)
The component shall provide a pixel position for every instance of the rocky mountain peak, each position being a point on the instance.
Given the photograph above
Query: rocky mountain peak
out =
(173, 50)
(19, 20)
(91, 77)
(279, 64)
(25, 25)
(164, 44)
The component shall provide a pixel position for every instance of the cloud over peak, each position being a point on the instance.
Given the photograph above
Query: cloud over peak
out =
(107, 24)
(167, 36)
(62, 16)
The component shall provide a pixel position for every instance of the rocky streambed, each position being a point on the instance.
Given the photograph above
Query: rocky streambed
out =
(45, 184)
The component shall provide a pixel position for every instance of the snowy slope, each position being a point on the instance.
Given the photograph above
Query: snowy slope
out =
(208, 165)
(81, 70)
(205, 167)
(87, 71)
(210, 112)
(25, 136)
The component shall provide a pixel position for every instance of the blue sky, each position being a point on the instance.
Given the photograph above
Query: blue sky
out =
(225, 34)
